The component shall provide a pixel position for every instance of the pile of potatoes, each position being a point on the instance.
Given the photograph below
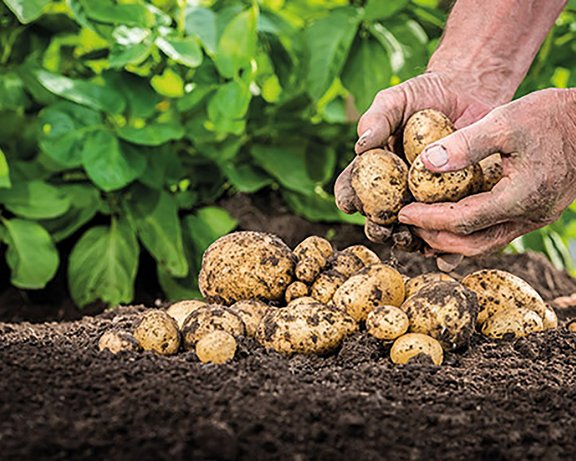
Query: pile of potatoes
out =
(308, 300)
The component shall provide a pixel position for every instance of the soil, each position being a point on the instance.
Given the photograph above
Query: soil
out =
(61, 399)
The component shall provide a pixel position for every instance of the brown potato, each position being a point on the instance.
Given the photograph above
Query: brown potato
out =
(216, 347)
(492, 171)
(550, 319)
(304, 326)
(182, 309)
(207, 319)
(376, 285)
(346, 264)
(366, 255)
(251, 312)
(414, 284)
(158, 332)
(444, 310)
(412, 345)
(117, 341)
(326, 285)
(246, 265)
(423, 128)
(296, 290)
(387, 322)
(380, 180)
(511, 323)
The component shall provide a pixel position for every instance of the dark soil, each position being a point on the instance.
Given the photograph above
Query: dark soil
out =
(61, 399)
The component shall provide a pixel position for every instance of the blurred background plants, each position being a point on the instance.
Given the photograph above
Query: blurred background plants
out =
(122, 123)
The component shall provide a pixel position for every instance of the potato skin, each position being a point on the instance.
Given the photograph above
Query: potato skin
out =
(217, 347)
(251, 312)
(326, 285)
(207, 319)
(411, 345)
(414, 284)
(387, 323)
(376, 285)
(117, 341)
(182, 309)
(305, 326)
(422, 128)
(550, 319)
(312, 255)
(246, 265)
(380, 180)
(511, 323)
(444, 310)
(366, 255)
(346, 264)
(295, 290)
(492, 171)
(158, 332)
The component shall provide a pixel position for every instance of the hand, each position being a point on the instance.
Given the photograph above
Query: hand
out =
(536, 136)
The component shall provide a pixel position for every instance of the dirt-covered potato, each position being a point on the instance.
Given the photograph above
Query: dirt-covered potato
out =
(376, 285)
(182, 309)
(158, 332)
(207, 319)
(295, 290)
(366, 255)
(414, 284)
(251, 312)
(304, 326)
(550, 319)
(492, 171)
(387, 322)
(572, 326)
(411, 345)
(312, 255)
(216, 347)
(326, 285)
(444, 310)
(500, 290)
(423, 128)
(380, 180)
(246, 265)
(117, 341)
(346, 264)
(512, 323)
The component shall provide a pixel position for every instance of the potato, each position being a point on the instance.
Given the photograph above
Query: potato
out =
(387, 322)
(380, 180)
(207, 319)
(326, 285)
(423, 128)
(246, 265)
(511, 323)
(366, 255)
(296, 290)
(346, 264)
(444, 310)
(492, 171)
(158, 332)
(500, 290)
(182, 309)
(411, 345)
(550, 319)
(308, 269)
(376, 285)
(572, 326)
(312, 255)
(414, 284)
(304, 326)
(216, 347)
(117, 341)
(251, 312)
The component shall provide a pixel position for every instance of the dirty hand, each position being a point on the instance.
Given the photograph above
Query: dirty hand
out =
(536, 136)
(390, 111)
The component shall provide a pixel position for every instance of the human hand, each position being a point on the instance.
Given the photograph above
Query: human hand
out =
(536, 137)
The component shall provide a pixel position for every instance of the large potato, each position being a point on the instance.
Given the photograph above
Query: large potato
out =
(182, 309)
(304, 326)
(500, 290)
(414, 284)
(412, 345)
(512, 323)
(246, 265)
(444, 310)
(376, 285)
(326, 285)
(423, 128)
(158, 332)
(387, 322)
(380, 180)
(208, 319)
(251, 312)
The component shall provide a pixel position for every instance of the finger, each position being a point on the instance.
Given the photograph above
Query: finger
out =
(447, 262)
(375, 232)
(343, 191)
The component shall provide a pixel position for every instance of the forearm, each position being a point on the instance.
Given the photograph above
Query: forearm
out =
(490, 44)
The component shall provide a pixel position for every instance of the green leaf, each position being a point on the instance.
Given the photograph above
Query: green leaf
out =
(231, 101)
(110, 164)
(319, 208)
(103, 265)
(154, 215)
(377, 9)
(82, 92)
(107, 11)
(328, 41)
(34, 200)
(31, 255)
(153, 134)
(245, 177)
(207, 225)
(12, 95)
(367, 71)
(121, 56)
(4, 171)
(27, 10)
(321, 162)
(140, 96)
(201, 22)
(184, 51)
(168, 84)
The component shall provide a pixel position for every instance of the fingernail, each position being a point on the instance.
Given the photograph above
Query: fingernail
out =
(436, 155)
(364, 138)
(404, 218)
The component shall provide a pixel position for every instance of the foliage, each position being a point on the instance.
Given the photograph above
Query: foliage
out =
(123, 122)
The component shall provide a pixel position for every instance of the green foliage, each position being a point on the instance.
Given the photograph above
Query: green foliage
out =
(123, 122)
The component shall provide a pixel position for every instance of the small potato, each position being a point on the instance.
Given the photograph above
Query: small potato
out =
(207, 319)
(251, 312)
(346, 264)
(309, 268)
(500, 290)
(366, 255)
(380, 180)
(550, 319)
(411, 345)
(296, 290)
(414, 284)
(158, 332)
(572, 326)
(387, 322)
(512, 323)
(304, 326)
(376, 285)
(117, 341)
(423, 128)
(216, 347)
(312, 255)
(492, 171)
(182, 309)
(444, 310)
(326, 285)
